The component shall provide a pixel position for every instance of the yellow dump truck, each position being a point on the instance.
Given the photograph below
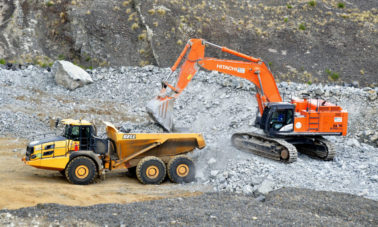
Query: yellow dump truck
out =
(81, 156)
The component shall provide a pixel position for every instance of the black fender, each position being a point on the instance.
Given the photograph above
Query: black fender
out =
(89, 154)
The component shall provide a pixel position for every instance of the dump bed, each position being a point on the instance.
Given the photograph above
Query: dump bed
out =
(164, 145)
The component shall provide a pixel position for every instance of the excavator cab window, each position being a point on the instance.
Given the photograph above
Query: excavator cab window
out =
(281, 118)
(277, 117)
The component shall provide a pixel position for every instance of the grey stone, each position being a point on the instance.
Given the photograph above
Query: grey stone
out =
(266, 186)
(372, 95)
(69, 75)
(211, 161)
(247, 189)
(355, 84)
(319, 91)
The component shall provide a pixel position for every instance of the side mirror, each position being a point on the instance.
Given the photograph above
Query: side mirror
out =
(57, 122)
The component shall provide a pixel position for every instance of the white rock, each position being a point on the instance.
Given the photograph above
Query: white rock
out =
(214, 173)
(69, 75)
(266, 186)
(211, 161)
(353, 142)
(247, 189)
(272, 50)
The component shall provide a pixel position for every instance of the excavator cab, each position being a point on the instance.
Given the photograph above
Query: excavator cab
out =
(277, 118)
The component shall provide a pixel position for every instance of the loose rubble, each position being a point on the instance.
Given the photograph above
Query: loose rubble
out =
(214, 104)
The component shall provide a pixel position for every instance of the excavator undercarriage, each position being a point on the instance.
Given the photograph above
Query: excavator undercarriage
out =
(283, 149)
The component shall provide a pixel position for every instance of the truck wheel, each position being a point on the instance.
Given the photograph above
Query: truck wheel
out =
(81, 170)
(181, 169)
(151, 170)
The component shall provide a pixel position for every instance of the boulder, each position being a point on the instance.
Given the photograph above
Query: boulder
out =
(69, 75)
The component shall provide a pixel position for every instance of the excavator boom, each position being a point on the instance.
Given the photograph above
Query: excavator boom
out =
(192, 58)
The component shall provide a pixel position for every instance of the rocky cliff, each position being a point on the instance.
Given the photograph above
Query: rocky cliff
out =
(306, 41)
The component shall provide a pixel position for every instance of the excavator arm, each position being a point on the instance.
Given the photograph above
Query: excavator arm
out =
(192, 58)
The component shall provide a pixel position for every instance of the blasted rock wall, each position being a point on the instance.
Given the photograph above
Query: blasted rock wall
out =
(321, 42)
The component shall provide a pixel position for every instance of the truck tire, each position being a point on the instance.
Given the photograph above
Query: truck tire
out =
(81, 170)
(181, 169)
(151, 170)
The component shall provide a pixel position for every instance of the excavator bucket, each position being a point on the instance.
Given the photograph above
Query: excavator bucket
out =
(161, 111)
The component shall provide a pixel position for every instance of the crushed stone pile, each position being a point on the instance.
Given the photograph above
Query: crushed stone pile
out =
(216, 105)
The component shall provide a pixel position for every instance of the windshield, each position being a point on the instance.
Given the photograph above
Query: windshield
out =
(71, 132)
(75, 132)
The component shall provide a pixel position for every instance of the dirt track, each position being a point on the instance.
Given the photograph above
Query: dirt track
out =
(39, 193)
(24, 186)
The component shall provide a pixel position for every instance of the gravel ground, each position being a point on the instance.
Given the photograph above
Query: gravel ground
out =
(214, 104)
(284, 207)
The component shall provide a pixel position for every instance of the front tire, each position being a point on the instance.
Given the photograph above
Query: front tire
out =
(181, 169)
(151, 170)
(81, 170)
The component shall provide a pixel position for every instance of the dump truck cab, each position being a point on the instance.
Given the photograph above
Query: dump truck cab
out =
(55, 152)
(82, 132)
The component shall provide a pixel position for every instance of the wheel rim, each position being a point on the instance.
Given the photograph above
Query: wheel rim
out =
(152, 172)
(182, 170)
(82, 171)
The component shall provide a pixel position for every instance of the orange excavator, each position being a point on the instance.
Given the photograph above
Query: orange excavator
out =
(288, 127)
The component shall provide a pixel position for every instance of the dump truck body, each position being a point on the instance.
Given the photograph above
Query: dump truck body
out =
(131, 147)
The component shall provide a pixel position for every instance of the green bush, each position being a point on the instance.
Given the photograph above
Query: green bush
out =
(286, 19)
(289, 6)
(312, 3)
(302, 27)
(50, 3)
(2, 61)
(333, 75)
(340, 5)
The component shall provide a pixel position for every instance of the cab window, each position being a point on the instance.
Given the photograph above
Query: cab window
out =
(281, 118)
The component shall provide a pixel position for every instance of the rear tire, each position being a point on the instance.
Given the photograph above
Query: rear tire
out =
(181, 169)
(81, 170)
(151, 170)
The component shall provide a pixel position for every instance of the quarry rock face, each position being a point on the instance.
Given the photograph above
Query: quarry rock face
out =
(69, 75)
(300, 42)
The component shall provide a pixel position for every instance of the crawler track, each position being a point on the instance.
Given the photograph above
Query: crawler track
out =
(320, 148)
(272, 148)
